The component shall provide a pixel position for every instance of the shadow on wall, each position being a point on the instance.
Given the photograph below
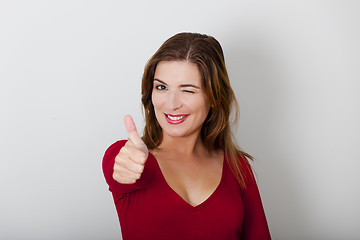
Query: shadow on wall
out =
(259, 84)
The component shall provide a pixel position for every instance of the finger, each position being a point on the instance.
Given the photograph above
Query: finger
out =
(132, 153)
(125, 178)
(134, 136)
(132, 132)
(130, 164)
(123, 171)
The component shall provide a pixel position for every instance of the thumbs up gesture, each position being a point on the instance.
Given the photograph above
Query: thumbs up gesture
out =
(130, 161)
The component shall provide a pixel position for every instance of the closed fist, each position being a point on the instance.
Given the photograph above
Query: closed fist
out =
(130, 161)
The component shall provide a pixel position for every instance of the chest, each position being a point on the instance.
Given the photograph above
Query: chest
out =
(194, 181)
(161, 213)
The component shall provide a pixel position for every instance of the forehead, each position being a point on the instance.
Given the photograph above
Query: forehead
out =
(178, 72)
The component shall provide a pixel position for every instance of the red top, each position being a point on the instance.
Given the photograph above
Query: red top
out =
(151, 209)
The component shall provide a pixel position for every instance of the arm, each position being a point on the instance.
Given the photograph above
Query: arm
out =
(255, 225)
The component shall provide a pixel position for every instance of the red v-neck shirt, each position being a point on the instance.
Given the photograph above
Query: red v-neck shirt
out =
(151, 209)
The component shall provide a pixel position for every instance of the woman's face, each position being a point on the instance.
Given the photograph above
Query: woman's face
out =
(180, 103)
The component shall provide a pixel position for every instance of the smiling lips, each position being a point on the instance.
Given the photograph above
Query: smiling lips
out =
(176, 119)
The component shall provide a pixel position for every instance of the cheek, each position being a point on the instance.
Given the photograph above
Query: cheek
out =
(206, 103)
(157, 100)
(199, 104)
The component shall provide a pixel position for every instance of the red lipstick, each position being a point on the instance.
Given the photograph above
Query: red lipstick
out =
(176, 119)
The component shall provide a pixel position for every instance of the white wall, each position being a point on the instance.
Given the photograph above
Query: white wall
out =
(70, 70)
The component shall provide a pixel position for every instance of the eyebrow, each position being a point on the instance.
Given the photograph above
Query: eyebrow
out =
(155, 79)
(182, 85)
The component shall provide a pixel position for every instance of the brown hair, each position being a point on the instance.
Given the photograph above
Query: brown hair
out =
(206, 52)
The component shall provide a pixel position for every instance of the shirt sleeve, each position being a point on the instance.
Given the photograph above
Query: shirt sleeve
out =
(254, 225)
(108, 169)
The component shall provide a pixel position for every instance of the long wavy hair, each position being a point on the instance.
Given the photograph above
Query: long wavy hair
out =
(206, 52)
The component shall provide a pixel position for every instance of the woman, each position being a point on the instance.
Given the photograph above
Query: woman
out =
(185, 178)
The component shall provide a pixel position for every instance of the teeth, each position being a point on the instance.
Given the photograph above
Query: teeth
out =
(176, 118)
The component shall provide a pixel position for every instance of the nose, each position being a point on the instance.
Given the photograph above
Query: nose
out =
(174, 101)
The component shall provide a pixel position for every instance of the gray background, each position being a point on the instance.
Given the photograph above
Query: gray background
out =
(70, 71)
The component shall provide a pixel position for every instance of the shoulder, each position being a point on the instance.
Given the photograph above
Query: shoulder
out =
(241, 169)
(246, 168)
(115, 147)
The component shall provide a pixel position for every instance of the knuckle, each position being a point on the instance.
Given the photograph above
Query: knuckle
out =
(117, 168)
(119, 157)
(116, 177)
(140, 157)
(129, 143)
(141, 168)
(143, 156)
(121, 160)
(129, 180)
(123, 179)
(138, 175)
(124, 149)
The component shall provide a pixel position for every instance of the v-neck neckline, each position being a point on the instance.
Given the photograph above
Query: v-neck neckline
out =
(204, 203)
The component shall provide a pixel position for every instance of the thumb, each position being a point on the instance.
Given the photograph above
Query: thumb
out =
(133, 134)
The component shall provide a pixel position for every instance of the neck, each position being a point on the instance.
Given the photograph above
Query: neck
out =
(189, 145)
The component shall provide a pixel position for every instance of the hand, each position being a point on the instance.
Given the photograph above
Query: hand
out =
(130, 161)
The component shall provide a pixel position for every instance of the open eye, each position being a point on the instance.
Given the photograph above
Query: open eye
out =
(160, 87)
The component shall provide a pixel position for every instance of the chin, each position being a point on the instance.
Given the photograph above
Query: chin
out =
(175, 134)
(180, 133)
